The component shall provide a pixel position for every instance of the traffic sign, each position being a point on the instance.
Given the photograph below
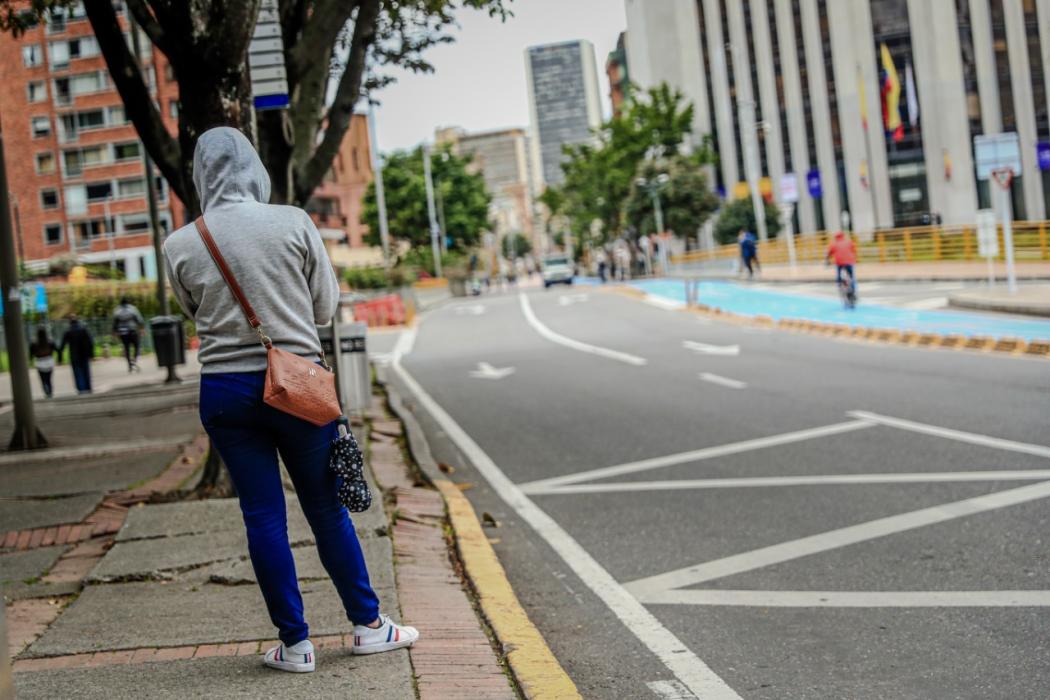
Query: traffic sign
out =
(995, 151)
(816, 191)
(789, 188)
(266, 60)
(1003, 177)
(987, 235)
(1042, 155)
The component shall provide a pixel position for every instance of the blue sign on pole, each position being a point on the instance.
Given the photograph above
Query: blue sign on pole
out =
(1042, 154)
(40, 300)
(813, 183)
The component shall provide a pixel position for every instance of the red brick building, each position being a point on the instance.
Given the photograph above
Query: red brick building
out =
(74, 163)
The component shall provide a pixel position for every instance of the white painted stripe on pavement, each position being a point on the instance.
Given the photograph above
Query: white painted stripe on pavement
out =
(662, 303)
(697, 455)
(679, 659)
(833, 539)
(670, 690)
(537, 325)
(708, 349)
(816, 480)
(960, 435)
(723, 381)
(852, 599)
(926, 304)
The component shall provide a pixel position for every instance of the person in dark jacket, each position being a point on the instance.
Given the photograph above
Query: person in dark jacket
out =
(43, 352)
(81, 349)
(127, 320)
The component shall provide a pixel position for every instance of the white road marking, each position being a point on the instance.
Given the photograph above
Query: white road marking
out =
(537, 325)
(705, 349)
(926, 304)
(852, 599)
(570, 299)
(662, 303)
(778, 481)
(470, 309)
(723, 381)
(950, 434)
(671, 690)
(833, 539)
(697, 455)
(381, 359)
(487, 371)
(679, 659)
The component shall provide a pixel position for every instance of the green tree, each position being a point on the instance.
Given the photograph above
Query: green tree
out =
(464, 199)
(739, 214)
(327, 45)
(599, 176)
(686, 200)
(515, 245)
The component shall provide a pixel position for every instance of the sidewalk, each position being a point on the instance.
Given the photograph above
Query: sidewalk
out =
(111, 595)
(1032, 300)
(107, 375)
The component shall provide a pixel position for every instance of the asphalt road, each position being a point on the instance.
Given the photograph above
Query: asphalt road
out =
(880, 537)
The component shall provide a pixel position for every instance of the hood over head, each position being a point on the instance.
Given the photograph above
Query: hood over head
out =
(227, 170)
(840, 234)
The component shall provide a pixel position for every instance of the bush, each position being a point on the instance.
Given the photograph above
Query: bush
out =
(97, 300)
(360, 278)
(739, 214)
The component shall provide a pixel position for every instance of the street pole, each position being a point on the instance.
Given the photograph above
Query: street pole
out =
(18, 235)
(657, 210)
(109, 239)
(435, 232)
(787, 212)
(377, 171)
(26, 435)
(749, 134)
(1006, 208)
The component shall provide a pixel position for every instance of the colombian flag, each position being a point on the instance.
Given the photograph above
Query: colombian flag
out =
(891, 97)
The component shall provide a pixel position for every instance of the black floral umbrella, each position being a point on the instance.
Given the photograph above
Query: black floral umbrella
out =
(349, 465)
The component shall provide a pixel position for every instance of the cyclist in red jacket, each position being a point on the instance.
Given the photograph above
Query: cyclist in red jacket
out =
(844, 251)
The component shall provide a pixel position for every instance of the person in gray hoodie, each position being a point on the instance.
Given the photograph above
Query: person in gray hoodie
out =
(276, 254)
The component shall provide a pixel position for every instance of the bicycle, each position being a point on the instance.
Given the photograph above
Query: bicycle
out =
(847, 287)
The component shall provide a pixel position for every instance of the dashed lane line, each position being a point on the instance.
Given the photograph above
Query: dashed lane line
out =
(722, 381)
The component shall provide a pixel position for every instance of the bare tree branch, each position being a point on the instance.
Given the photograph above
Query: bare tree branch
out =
(309, 176)
(138, 103)
(149, 24)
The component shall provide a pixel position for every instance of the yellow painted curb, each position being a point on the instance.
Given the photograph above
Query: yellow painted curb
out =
(538, 673)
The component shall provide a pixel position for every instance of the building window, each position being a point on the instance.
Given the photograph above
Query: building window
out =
(45, 163)
(135, 187)
(41, 126)
(75, 161)
(173, 109)
(117, 116)
(53, 234)
(126, 151)
(32, 56)
(98, 191)
(36, 91)
(135, 223)
(48, 199)
(169, 73)
(62, 52)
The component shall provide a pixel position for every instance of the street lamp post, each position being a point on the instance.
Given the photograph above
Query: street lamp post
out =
(377, 170)
(435, 231)
(653, 187)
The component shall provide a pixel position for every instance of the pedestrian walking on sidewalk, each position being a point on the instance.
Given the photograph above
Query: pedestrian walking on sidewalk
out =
(749, 252)
(126, 324)
(81, 349)
(276, 254)
(43, 352)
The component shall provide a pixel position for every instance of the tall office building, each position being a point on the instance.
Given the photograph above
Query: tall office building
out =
(74, 161)
(564, 105)
(502, 159)
(868, 106)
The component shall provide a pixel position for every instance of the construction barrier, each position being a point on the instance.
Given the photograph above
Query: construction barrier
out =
(387, 310)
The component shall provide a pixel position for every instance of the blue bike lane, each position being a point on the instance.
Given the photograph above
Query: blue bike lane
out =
(748, 301)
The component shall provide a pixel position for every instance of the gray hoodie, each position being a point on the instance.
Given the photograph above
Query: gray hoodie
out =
(274, 251)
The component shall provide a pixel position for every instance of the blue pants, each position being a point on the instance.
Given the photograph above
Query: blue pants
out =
(249, 434)
(82, 375)
(847, 268)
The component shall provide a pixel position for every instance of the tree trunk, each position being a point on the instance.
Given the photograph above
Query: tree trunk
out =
(215, 482)
(275, 149)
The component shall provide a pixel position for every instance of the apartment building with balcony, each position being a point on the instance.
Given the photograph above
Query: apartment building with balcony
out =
(74, 161)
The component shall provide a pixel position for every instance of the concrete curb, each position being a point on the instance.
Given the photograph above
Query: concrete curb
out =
(1040, 310)
(1008, 346)
(538, 673)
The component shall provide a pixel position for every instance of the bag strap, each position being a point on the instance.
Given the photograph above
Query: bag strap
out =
(231, 281)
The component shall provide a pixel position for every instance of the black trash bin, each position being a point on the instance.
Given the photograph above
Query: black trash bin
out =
(168, 340)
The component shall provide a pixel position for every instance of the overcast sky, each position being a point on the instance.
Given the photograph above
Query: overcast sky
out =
(479, 81)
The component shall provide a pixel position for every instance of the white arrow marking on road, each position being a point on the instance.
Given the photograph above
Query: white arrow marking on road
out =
(706, 349)
(470, 310)
(723, 381)
(570, 299)
(487, 371)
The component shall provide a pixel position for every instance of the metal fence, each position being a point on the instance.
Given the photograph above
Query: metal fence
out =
(921, 244)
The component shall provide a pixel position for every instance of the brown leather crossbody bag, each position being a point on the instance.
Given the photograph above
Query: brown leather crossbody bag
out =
(294, 384)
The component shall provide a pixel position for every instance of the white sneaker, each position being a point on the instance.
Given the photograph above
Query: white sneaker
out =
(298, 658)
(387, 637)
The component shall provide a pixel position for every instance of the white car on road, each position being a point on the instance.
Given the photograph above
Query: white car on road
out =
(557, 269)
